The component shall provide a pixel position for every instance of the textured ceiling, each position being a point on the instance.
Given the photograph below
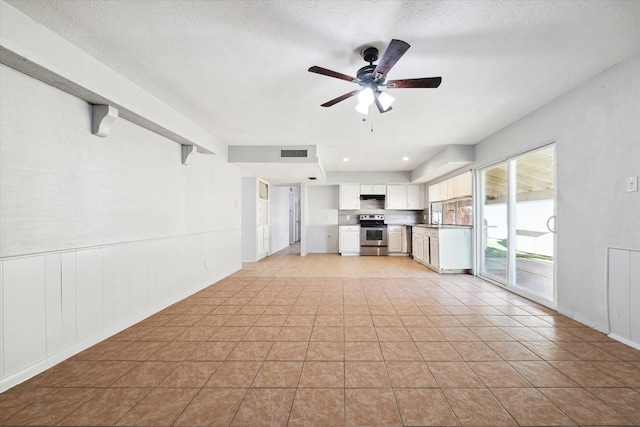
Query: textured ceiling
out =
(239, 68)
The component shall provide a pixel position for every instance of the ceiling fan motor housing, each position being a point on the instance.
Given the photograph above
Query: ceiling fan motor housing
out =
(365, 74)
(370, 55)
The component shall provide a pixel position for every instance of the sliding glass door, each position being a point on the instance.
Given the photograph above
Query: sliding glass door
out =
(517, 217)
(495, 223)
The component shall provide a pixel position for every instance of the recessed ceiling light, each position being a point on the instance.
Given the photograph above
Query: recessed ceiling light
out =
(345, 159)
(405, 158)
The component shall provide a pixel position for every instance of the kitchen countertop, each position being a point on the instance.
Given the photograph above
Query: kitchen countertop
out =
(417, 225)
(441, 226)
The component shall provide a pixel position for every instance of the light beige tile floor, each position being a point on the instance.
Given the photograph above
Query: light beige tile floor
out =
(324, 340)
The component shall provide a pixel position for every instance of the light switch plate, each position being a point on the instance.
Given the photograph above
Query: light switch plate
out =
(632, 184)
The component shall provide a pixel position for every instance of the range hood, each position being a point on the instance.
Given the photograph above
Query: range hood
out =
(372, 197)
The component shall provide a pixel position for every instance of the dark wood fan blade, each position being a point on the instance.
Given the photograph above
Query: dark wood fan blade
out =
(340, 98)
(337, 75)
(380, 107)
(394, 52)
(425, 82)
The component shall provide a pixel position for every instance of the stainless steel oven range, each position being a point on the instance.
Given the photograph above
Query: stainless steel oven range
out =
(373, 235)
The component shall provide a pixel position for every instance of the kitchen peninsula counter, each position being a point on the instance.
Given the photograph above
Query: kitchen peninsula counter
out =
(441, 226)
(443, 248)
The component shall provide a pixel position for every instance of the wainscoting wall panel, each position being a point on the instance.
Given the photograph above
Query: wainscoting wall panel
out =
(624, 295)
(24, 312)
(57, 304)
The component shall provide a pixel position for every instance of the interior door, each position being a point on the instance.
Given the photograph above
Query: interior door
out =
(292, 220)
(517, 219)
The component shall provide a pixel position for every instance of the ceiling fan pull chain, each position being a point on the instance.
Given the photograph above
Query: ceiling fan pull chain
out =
(371, 117)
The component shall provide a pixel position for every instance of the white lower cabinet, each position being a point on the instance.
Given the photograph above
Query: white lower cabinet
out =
(349, 240)
(454, 250)
(417, 244)
(434, 251)
(395, 236)
(444, 249)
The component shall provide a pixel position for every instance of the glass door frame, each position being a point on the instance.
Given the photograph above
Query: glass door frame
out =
(511, 220)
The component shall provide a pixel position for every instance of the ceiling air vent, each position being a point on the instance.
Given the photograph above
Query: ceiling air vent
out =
(293, 153)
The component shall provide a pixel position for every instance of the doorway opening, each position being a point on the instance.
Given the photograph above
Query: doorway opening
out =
(294, 214)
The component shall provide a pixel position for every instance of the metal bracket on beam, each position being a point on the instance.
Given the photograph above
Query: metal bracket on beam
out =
(187, 153)
(103, 116)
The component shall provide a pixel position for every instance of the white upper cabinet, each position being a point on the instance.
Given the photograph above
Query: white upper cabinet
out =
(444, 190)
(434, 193)
(415, 199)
(462, 186)
(350, 196)
(396, 197)
(372, 189)
(401, 196)
(453, 188)
(379, 189)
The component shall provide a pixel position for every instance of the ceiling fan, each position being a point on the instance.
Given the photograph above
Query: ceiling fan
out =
(372, 78)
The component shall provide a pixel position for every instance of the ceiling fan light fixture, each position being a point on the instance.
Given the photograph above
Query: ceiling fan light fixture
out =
(365, 99)
(363, 108)
(366, 96)
(385, 100)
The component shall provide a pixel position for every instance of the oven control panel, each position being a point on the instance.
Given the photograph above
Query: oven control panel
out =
(371, 217)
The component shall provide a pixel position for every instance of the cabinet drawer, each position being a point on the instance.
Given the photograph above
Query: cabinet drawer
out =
(419, 231)
(431, 232)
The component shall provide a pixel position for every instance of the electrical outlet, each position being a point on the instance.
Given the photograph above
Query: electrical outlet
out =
(632, 184)
(348, 217)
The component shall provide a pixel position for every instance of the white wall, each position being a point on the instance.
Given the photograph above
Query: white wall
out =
(279, 210)
(596, 128)
(322, 219)
(249, 220)
(64, 188)
(98, 233)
